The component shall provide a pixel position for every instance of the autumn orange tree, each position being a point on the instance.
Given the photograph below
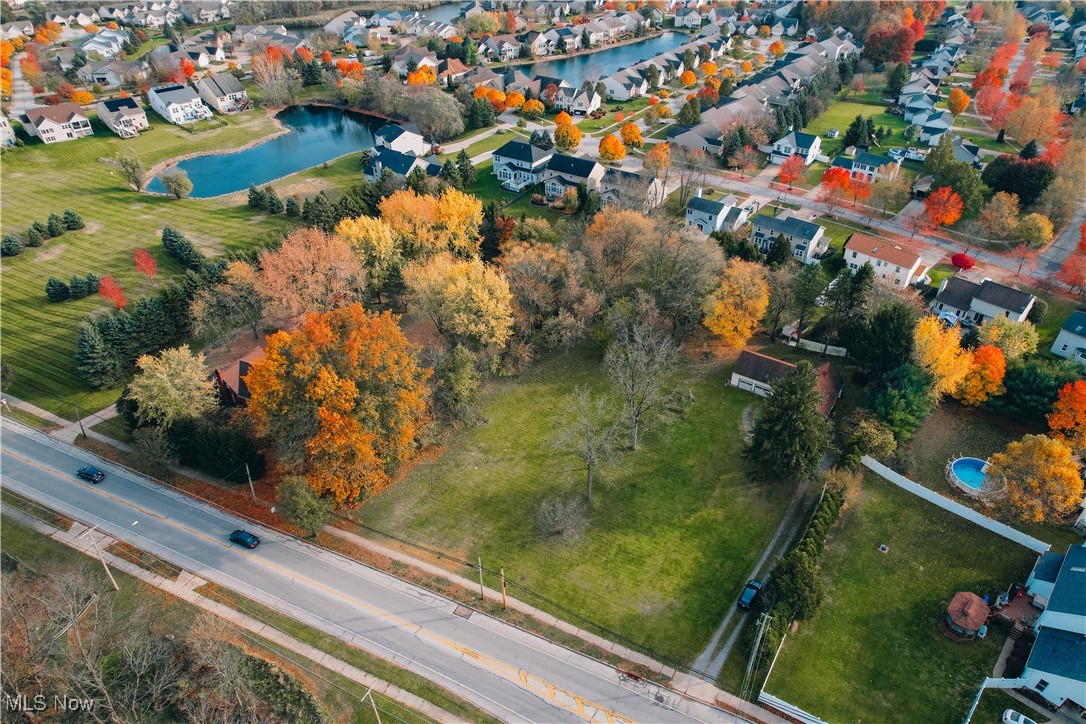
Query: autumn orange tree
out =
(187, 67)
(426, 75)
(793, 169)
(1067, 421)
(611, 149)
(1038, 479)
(145, 263)
(311, 271)
(735, 309)
(985, 377)
(563, 119)
(957, 102)
(532, 109)
(688, 78)
(567, 136)
(776, 48)
(709, 68)
(341, 399)
(111, 291)
(937, 349)
(746, 66)
(942, 207)
(631, 136)
(423, 224)
(658, 160)
(514, 100)
(615, 243)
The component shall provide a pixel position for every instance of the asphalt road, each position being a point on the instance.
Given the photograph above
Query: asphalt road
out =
(512, 674)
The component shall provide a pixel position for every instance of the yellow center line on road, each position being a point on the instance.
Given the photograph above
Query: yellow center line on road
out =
(581, 707)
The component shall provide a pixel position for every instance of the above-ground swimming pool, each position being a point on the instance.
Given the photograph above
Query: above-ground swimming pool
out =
(968, 475)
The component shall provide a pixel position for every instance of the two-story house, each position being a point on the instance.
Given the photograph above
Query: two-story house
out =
(959, 299)
(55, 124)
(179, 104)
(577, 101)
(807, 240)
(7, 133)
(869, 167)
(519, 164)
(688, 18)
(123, 116)
(568, 172)
(380, 159)
(894, 265)
(1071, 341)
(403, 138)
(805, 145)
(706, 214)
(224, 93)
(500, 48)
(105, 45)
(619, 186)
(625, 84)
(112, 73)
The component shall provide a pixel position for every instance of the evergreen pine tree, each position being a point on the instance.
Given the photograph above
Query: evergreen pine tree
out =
(92, 282)
(42, 230)
(690, 114)
(466, 168)
(272, 202)
(34, 237)
(780, 251)
(256, 198)
(78, 287)
(98, 365)
(790, 435)
(541, 139)
(11, 245)
(1030, 150)
(55, 226)
(72, 220)
(450, 174)
(56, 290)
(292, 206)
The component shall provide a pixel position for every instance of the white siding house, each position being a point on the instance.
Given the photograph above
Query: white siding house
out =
(807, 240)
(806, 145)
(55, 124)
(178, 104)
(1071, 341)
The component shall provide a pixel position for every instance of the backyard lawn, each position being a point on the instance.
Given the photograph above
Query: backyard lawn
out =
(874, 652)
(673, 532)
(841, 113)
(39, 337)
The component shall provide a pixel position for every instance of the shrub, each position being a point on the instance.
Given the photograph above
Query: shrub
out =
(34, 237)
(72, 220)
(218, 450)
(11, 245)
(1037, 314)
(55, 226)
(56, 290)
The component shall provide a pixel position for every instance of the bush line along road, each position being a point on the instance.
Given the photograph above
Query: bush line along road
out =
(525, 678)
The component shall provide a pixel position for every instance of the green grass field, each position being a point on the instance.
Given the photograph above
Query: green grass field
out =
(673, 533)
(841, 113)
(874, 651)
(39, 336)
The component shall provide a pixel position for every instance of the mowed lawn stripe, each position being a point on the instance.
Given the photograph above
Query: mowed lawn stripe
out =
(39, 336)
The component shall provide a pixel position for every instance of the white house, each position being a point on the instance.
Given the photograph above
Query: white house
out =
(807, 240)
(123, 116)
(10, 31)
(868, 166)
(501, 48)
(576, 101)
(933, 126)
(224, 93)
(568, 172)
(687, 18)
(7, 133)
(341, 22)
(55, 124)
(405, 139)
(894, 266)
(106, 44)
(625, 84)
(806, 145)
(1071, 341)
(706, 214)
(109, 73)
(960, 299)
(383, 159)
(179, 104)
(519, 164)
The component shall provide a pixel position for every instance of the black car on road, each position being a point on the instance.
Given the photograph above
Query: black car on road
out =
(750, 593)
(245, 538)
(91, 474)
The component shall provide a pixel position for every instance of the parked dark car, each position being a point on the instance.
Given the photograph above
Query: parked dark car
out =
(245, 538)
(91, 474)
(749, 594)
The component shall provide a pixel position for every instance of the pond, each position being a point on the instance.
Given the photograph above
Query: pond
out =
(604, 62)
(317, 134)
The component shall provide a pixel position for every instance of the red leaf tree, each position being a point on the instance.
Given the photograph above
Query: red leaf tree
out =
(188, 68)
(145, 263)
(963, 261)
(793, 169)
(942, 207)
(111, 291)
(836, 184)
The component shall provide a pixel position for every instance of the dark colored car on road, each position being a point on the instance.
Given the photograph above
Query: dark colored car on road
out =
(245, 538)
(91, 474)
(750, 593)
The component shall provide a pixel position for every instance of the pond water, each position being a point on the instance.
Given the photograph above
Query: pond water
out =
(605, 62)
(317, 134)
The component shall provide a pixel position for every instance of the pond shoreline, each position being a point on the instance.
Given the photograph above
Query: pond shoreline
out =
(581, 53)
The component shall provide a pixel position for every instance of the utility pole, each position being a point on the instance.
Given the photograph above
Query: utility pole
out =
(482, 596)
(102, 558)
(79, 420)
(252, 490)
(748, 678)
(503, 587)
(369, 695)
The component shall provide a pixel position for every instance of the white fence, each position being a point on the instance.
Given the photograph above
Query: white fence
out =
(792, 712)
(820, 348)
(955, 507)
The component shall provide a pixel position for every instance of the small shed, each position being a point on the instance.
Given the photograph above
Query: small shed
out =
(965, 616)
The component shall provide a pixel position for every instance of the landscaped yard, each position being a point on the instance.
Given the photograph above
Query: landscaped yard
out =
(673, 532)
(841, 113)
(874, 651)
(39, 336)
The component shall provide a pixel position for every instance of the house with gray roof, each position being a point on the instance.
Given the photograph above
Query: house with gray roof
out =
(805, 145)
(807, 240)
(404, 138)
(1071, 341)
(224, 93)
(868, 167)
(519, 164)
(959, 299)
(123, 116)
(380, 159)
(568, 172)
(706, 214)
(177, 103)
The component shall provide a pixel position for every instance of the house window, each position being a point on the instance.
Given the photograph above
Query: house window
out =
(854, 256)
(1063, 348)
(1041, 685)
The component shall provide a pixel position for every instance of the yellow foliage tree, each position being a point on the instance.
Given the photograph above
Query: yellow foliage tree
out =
(631, 135)
(709, 68)
(426, 75)
(985, 378)
(373, 242)
(611, 149)
(425, 225)
(83, 98)
(1038, 479)
(938, 350)
(514, 100)
(688, 78)
(746, 66)
(532, 108)
(734, 310)
(1013, 338)
(563, 119)
(567, 136)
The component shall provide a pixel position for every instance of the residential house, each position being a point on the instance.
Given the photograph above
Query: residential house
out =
(577, 101)
(230, 380)
(688, 17)
(201, 13)
(918, 106)
(55, 124)
(756, 372)
(244, 34)
(805, 145)
(869, 167)
(917, 85)
(179, 104)
(807, 240)
(894, 265)
(959, 299)
(340, 23)
(519, 164)
(933, 126)
(7, 133)
(19, 28)
(198, 58)
(111, 73)
(538, 43)
(403, 138)
(451, 72)
(1056, 667)
(967, 152)
(380, 159)
(106, 44)
(123, 116)
(625, 85)
(568, 172)
(1071, 341)
(224, 93)
(500, 48)
(618, 185)
(412, 57)
(570, 36)
(392, 18)
(706, 214)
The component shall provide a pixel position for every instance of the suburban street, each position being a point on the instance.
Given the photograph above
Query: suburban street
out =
(512, 674)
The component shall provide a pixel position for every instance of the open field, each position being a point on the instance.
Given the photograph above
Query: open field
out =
(674, 530)
(841, 113)
(39, 336)
(874, 650)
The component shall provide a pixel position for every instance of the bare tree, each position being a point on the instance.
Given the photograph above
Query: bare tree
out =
(587, 433)
(132, 169)
(688, 166)
(781, 281)
(641, 362)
